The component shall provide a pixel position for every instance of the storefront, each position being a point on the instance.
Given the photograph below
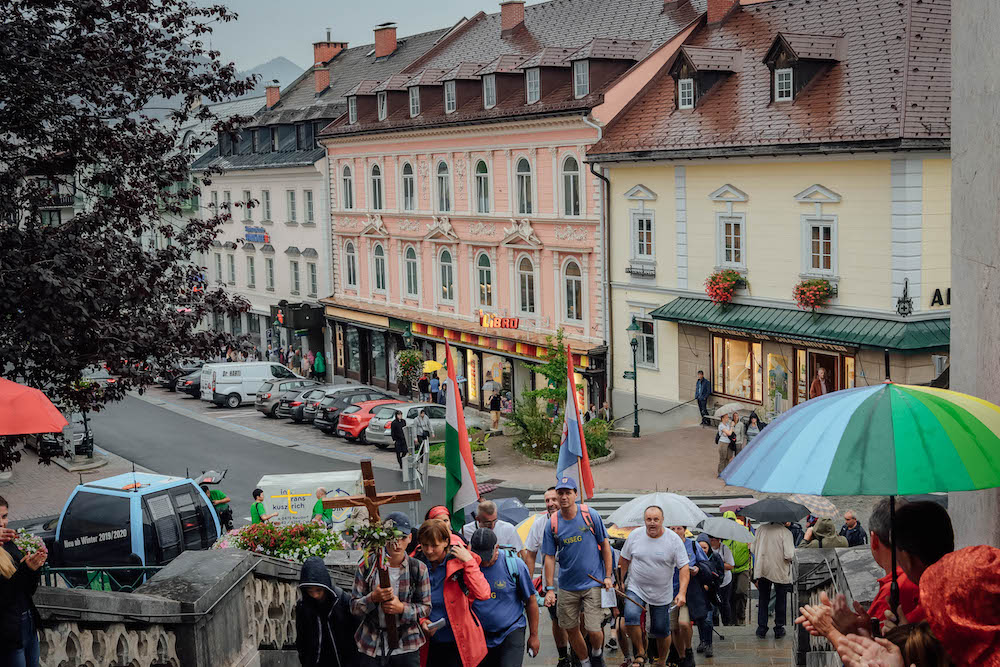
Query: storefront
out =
(365, 346)
(297, 325)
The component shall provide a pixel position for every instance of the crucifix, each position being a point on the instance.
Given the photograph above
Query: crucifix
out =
(371, 500)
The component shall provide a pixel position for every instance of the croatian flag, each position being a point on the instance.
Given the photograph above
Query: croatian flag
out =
(573, 461)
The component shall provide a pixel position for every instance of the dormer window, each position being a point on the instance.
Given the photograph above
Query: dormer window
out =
(783, 85)
(489, 91)
(450, 99)
(352, 110)
(383, 105)
(533, 85)
(581, 78)
(685, 94)
(414, 101)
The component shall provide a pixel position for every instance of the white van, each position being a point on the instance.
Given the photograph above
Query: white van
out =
(231, 384)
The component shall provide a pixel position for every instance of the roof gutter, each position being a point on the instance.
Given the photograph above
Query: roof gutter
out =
(463, 123)
(606, 242)
(773, 150)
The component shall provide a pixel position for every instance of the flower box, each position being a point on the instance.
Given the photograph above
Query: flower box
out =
(813, 293)
(721, 285)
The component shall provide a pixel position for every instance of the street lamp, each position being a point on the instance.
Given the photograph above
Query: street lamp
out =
(633, 330)
(408, 338)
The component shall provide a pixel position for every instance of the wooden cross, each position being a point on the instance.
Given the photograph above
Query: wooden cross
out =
(371, 500)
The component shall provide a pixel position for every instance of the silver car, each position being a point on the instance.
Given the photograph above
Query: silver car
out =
(378, 431)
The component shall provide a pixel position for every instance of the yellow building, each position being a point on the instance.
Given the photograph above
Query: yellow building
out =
(764, 150)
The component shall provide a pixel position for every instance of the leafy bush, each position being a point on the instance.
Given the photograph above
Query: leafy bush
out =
(539, 436)
(294, 542)
(436, 452)
(597, 433)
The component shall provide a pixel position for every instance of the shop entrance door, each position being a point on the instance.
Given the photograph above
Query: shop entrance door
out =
(831, 370)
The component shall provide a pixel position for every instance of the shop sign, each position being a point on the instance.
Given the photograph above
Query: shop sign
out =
(492, 321)
(941, 299)
(256, 235)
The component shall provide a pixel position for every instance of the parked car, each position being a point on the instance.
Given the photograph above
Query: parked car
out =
(270, 393)
(98, 375)
(232, 384)
(293, 403)
(377, 432)
(342, 396)
(168, 379)
(354, 419)
(190, 384)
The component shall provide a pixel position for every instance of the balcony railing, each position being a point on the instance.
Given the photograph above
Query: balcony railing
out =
(641, 270)
(58, 200)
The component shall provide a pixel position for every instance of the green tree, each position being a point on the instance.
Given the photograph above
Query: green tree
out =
(553, 369)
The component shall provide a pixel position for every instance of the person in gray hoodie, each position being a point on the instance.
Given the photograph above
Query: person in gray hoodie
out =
(324, 625)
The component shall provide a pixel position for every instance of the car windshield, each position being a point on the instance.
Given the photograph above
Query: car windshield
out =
(352, 410)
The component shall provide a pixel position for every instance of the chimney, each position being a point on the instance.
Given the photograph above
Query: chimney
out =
(324, 51)
(511, 16)
(273, 94)
(385, 39)
(718, 10)
(322, 77)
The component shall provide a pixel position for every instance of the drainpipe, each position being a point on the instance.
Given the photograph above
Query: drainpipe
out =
(605, 228)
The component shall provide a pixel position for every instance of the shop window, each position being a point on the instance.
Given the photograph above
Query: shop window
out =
(447, 277)
(732, 241)
(737, 368)
(409, 188)
(350, 265)
(574, 292)
(646, 351)
(485, 269)
(379, 253)
(524, 188)
(849, 380)
(412, 284)
(353, 346)
(801, 377)
(526, 284)
(378, 355)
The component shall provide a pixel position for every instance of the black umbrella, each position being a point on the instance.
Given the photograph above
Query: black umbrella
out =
(510, 510)
(775, 510)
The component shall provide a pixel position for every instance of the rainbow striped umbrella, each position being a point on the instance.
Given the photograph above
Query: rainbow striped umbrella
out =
(886, 439)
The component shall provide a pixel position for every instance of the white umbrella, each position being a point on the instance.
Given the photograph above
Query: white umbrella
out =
(677, 511)
(492, 385)
(728, 409)
(725, 529)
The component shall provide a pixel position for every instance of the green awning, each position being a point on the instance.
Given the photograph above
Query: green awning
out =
(808, 326)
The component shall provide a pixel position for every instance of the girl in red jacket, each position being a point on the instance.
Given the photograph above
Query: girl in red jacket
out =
(456, 637)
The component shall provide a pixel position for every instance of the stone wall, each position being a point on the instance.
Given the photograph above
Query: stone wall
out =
(219, 608)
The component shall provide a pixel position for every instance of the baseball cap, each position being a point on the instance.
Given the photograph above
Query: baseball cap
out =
(401, 520)
(566, 483)
(482, 543)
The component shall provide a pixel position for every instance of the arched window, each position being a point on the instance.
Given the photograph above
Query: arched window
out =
(348, 183)
(409, 188)
(485, 280)
(447, 277)
(379, 268)
(524, 191)
(571, 186)
(482, 187)
(412, 284)
(574, 292)
(443, 187)
(526, 283)
(350, 265)
(376, 188)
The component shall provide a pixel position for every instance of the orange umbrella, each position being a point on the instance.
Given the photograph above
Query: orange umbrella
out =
(25, 410)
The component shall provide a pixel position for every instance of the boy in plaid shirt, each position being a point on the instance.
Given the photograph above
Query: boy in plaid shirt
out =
(409, 599)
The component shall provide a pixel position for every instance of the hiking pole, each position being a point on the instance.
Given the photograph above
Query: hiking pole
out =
(624, 595)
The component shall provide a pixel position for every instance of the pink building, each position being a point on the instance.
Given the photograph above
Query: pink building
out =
(462, 208)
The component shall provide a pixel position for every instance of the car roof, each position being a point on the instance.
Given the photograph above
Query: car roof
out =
(368, 405)
(146, 482)
(338, 388)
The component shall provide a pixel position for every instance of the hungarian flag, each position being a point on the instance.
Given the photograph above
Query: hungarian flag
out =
(573, 460)
(460, 484)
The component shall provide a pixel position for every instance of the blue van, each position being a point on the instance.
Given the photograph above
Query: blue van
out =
(155, 517)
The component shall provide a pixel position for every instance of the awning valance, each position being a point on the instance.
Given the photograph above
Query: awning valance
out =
(808, 326)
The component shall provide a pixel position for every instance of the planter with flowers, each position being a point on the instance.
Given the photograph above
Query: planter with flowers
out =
(721, 285)
(814, 293)
(294, 542)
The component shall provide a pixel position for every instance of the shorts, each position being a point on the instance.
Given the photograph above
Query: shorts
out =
(659, 615)
(679, 615)
(570, 604)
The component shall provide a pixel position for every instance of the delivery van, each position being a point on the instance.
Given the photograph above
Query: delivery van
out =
(231, 384)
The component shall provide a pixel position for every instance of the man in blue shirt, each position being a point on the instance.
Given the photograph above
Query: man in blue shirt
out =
(584, 552)
(503, 615)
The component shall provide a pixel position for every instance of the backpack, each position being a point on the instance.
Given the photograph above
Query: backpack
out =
(511, 561)
(587, 519)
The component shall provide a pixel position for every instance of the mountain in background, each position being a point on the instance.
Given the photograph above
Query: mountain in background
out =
(280, 68)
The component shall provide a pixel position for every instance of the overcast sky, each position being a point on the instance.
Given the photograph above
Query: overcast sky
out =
(267, 29)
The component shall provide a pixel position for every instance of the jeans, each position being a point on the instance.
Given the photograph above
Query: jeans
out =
(780, 603)
(703, 409)
(705, 629)
(443, 654)
(726, 610)
(411, 659)
(508, 653)
(659, 615)
(27, 655)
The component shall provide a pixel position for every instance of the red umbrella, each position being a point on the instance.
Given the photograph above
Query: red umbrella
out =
(25, 410)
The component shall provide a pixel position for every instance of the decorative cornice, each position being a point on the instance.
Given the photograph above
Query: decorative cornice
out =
(571, 233)
(482, 229)
(521, 229)
(441, 227)
(407, 225)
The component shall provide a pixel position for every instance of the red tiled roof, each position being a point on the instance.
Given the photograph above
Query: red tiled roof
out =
(394, 82)
(814, 47)
(713, 60)
(550, 56)
(366, 87)
(613, 49)
(463, 71)
(426, 77)
(893, 85)
(508, 64)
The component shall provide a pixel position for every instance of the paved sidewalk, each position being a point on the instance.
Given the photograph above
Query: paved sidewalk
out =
(37, 490)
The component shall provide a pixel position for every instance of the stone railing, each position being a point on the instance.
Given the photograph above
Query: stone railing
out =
(218, 608)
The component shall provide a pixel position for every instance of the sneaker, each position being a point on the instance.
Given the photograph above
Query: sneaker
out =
(688, 660)
(564, 662)
(779, 633)
(612, 645)
(761, 633)
(708, 651)
(597, 660)
(701, 648)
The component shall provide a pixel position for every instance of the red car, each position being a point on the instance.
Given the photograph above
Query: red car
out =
(354, 419)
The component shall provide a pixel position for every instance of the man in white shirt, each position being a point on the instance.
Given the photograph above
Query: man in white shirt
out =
(532, 545)
(773, 551)
(647, 564)
(487, 517)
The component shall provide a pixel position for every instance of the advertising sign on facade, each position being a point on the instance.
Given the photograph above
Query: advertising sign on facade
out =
(256, 235)
(293, 496)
